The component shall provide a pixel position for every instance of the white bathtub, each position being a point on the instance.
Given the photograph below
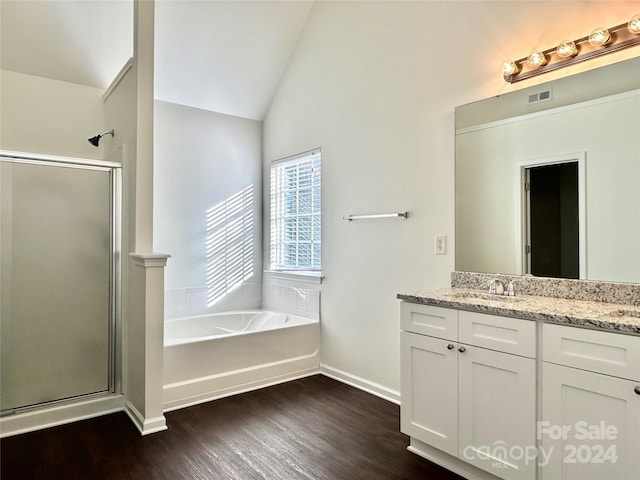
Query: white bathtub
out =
(207, 327)
(212, 356)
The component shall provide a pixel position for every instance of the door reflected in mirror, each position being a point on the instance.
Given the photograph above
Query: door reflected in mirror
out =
(552, 246)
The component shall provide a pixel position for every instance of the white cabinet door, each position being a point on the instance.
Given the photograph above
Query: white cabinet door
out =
(497, 412)
(591, 424)
(429, 389)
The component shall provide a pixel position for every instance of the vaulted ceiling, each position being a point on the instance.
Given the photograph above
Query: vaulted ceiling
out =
(226, 56)
(79, 42)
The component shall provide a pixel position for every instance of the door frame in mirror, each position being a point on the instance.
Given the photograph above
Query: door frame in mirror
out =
(521, 207)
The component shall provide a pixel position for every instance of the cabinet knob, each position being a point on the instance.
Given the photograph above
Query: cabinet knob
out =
(637, 389)
(461, 349)
(450, 346)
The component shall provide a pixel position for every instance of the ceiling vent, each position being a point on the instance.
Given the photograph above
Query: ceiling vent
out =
(542, 96)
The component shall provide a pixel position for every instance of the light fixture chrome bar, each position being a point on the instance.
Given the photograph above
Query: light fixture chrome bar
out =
(379, 215)
(621, 38)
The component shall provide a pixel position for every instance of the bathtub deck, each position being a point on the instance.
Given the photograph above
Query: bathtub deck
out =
(315, 428)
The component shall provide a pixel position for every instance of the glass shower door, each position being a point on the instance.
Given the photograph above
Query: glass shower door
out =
(56, 265)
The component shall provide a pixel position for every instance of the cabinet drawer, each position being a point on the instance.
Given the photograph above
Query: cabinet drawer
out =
(428, 320)
(509, 335)
(602, 352)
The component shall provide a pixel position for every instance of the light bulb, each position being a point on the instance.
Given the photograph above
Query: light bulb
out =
(510, 68)
(634, 24)
(567, 49)
(599, 37)
(536, 59)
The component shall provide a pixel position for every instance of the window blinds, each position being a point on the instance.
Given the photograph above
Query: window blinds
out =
(295, 213)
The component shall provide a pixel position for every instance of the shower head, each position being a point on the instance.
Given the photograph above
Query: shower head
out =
(96, 140)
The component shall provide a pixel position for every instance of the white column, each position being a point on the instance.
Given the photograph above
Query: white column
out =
(145, 338)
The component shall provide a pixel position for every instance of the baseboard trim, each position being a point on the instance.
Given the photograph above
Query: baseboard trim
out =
(361, 383)
(453, 464)
(211, 393)
(73, 412)
(39, 419)
(145, 425)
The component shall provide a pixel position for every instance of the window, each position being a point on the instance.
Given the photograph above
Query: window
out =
(295, 212)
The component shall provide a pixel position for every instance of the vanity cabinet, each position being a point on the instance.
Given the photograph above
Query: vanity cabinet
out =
(590, 404)
(468, 386)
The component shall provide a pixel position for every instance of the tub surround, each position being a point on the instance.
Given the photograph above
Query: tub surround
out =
(299, 297)
(294, 298)
(605, 306)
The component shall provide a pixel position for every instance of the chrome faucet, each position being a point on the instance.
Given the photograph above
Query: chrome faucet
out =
(496, 287)
(510, 289)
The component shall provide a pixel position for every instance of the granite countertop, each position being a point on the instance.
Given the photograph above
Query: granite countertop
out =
(613, 317)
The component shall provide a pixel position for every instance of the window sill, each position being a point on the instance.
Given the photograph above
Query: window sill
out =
(297, 276)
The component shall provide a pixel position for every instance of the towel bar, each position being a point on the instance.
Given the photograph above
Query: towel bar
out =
(379, 215)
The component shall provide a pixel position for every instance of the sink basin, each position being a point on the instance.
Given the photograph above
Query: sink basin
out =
(482, 296)
(624, 313)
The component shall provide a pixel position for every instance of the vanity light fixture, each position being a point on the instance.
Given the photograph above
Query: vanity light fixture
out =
(599, 37)
(536, 59)
(567, 49)
(634, 24)
(600, 41)
(510, 68)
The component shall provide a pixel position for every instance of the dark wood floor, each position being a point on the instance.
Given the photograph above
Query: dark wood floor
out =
(313, 429)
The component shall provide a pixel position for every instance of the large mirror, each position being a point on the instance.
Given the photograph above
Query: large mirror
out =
(548, 178)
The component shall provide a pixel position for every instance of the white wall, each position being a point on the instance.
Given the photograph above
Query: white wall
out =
(41, 115)
(120, 114)
(201, 159)
(375, 84)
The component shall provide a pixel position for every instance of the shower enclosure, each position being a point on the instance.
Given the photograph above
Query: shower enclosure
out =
(58, 270)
